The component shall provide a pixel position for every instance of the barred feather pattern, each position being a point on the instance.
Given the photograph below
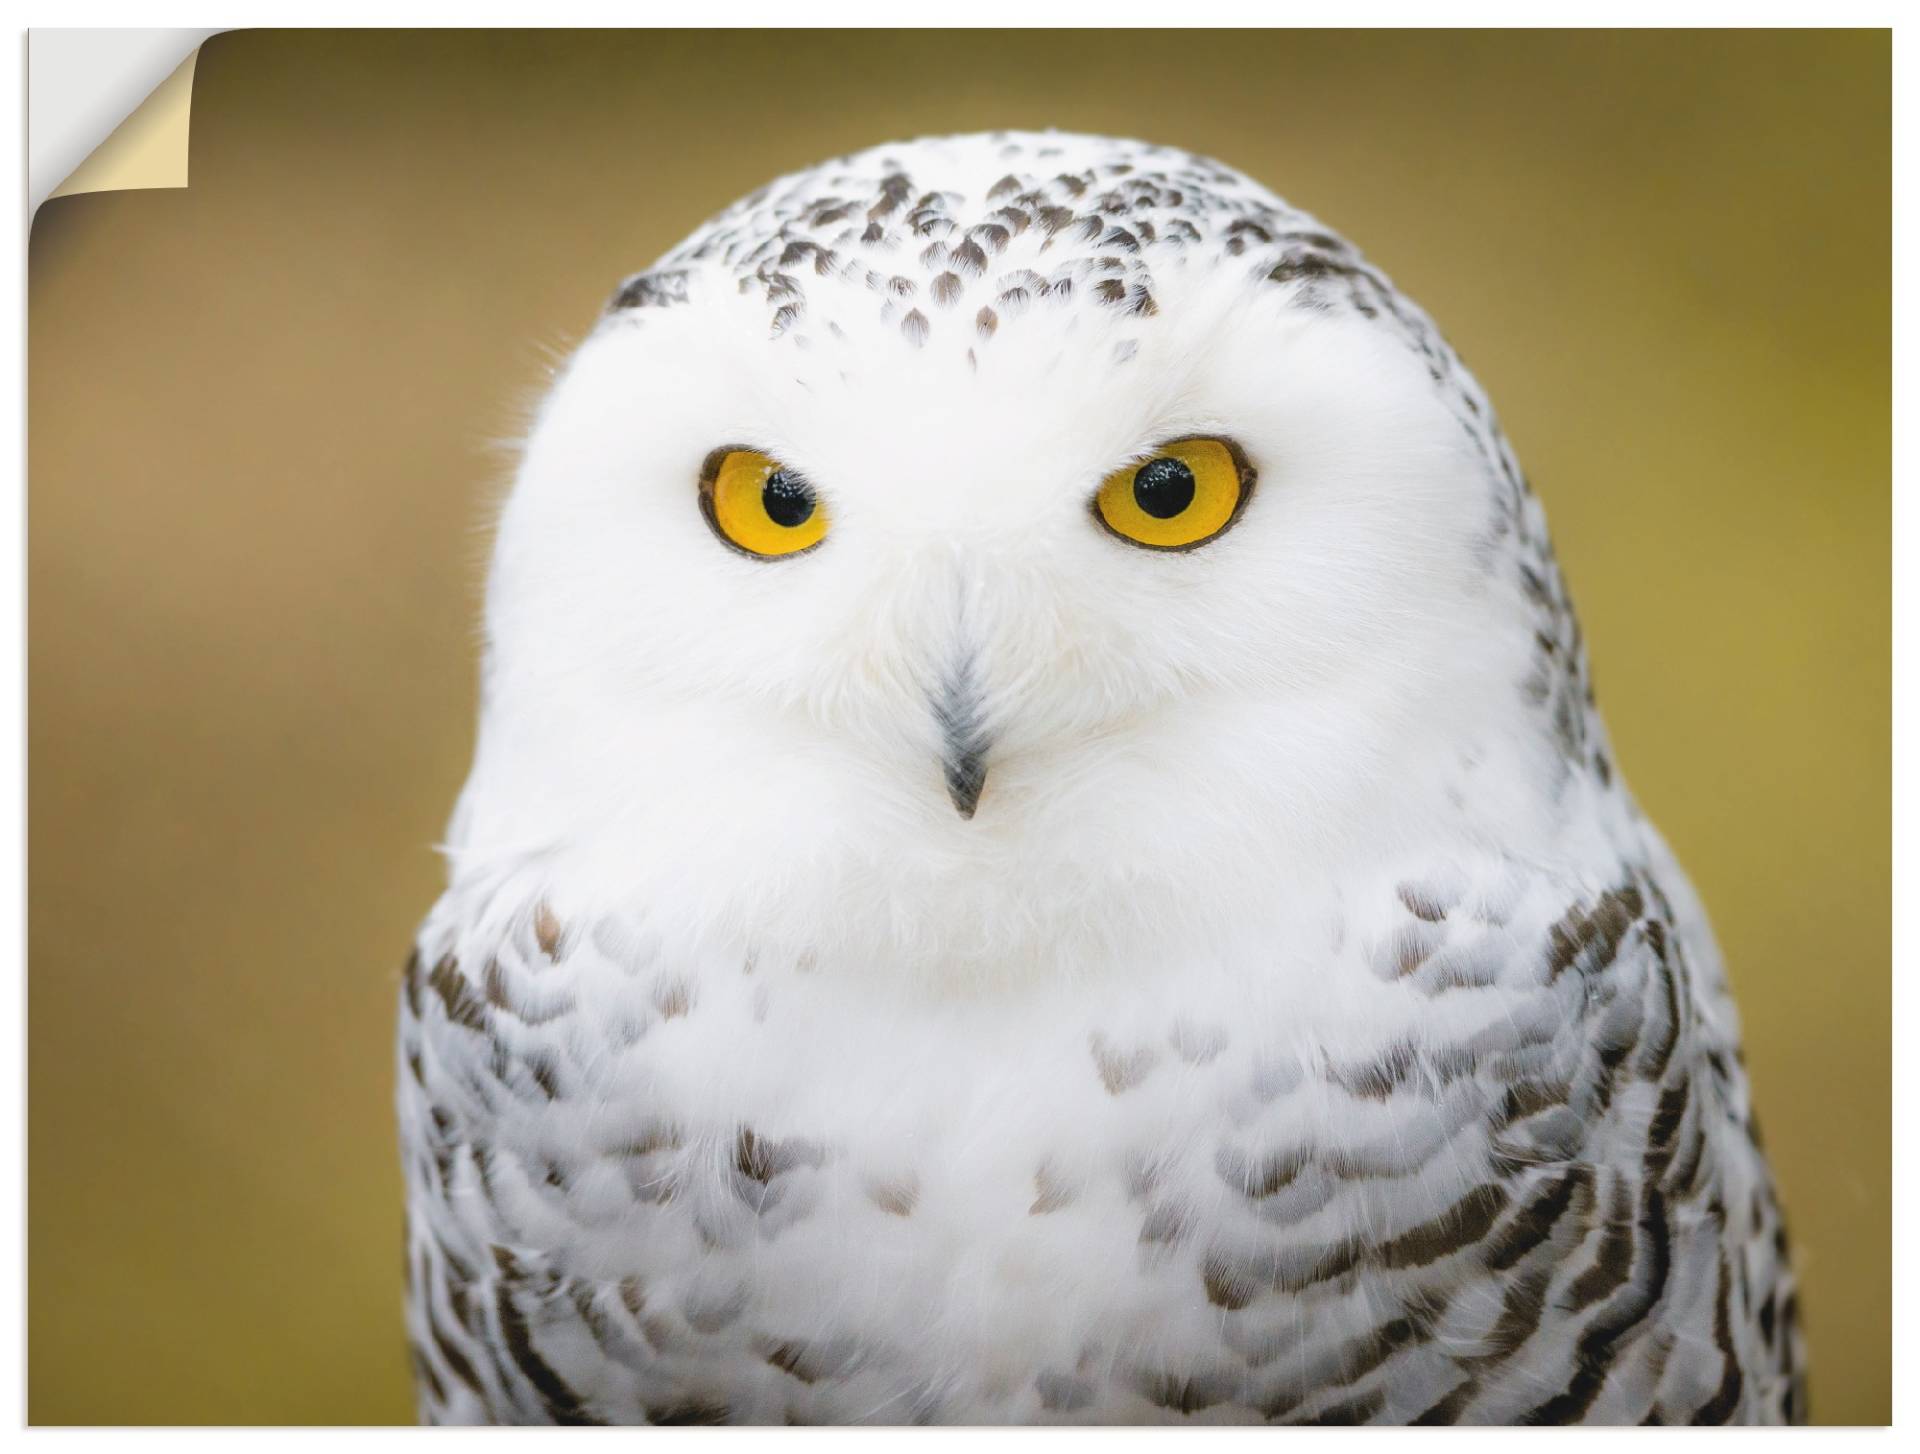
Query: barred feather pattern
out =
(1555, 1210)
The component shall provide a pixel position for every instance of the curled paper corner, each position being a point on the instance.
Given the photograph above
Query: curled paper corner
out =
(80, 85)
(149, 148)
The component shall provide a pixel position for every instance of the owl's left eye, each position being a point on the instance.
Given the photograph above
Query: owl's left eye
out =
(758, 505)
(1184, 494)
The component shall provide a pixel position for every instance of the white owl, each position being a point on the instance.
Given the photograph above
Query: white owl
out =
(1040, 849)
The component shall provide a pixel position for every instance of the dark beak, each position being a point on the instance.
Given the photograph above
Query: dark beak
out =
(963, 739)
(966, 776)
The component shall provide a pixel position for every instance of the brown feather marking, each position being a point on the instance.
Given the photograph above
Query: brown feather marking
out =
(546, 931)
(1120, 1072)
(1053, 1192)
(463, 1008)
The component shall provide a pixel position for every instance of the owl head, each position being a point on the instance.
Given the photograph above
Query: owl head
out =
(1008, 548)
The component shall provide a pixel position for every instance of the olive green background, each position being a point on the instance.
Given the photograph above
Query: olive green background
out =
(268, 414)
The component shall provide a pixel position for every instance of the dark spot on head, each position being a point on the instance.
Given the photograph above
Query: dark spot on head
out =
(1303, 267)
(970, 258)
(894, 191)
(650, 290)
(990, 235)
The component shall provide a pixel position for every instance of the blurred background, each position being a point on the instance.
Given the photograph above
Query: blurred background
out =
(268, 414)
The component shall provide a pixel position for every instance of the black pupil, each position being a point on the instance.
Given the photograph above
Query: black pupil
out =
(1163, 487)
(788, 499)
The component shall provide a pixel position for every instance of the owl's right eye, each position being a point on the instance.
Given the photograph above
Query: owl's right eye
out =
(758, 505)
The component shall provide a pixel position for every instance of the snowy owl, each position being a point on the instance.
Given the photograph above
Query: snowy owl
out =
(1040, 850)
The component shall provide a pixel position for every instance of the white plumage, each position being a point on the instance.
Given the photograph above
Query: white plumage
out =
(1303, 1025)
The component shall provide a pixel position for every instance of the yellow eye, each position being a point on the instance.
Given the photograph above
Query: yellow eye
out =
(1186, 494)
(757, 505)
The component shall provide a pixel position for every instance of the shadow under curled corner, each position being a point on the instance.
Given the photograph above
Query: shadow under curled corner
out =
(97, 122)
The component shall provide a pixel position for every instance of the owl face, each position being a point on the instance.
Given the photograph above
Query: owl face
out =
(865, 542)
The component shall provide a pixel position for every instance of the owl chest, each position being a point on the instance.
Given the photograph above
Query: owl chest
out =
(673, 1181)
(1139, 1156)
